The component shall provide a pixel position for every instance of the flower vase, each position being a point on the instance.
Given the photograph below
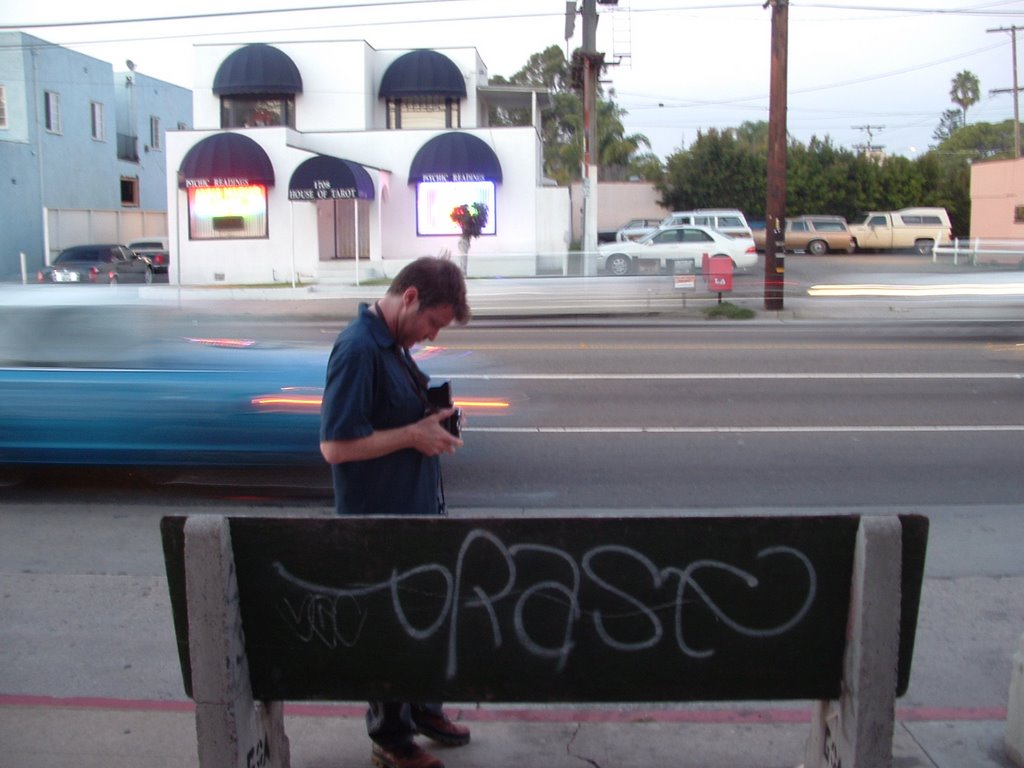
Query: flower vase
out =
(463, 253)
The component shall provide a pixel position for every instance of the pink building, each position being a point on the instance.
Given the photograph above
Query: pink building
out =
(997, 199)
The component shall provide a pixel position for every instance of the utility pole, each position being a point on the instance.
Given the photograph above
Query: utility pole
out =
(870, 148)
(1015, 90)
(775, 265)
(591, 70)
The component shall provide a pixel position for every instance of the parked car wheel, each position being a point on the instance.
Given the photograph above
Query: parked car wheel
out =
(619, 264)
(924, 247)
(148, 276)
(817, 247)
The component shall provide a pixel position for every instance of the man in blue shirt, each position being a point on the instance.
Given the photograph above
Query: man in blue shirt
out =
(383, 441)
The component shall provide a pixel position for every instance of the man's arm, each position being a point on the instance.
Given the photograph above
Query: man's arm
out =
(426, 436)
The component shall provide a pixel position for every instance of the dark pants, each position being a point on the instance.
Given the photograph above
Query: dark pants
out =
(390, 723)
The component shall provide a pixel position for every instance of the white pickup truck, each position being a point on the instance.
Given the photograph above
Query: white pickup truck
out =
(918, 229)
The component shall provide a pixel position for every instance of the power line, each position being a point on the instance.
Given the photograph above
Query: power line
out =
(973, 11)
(222, 14)
(739, 100)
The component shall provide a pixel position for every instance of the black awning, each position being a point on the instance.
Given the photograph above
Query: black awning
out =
(455, 156)
(422, 73)
(330, 178)
(225, 160)
(257, 69)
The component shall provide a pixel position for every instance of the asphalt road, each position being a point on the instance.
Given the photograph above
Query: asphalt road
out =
(666, 416)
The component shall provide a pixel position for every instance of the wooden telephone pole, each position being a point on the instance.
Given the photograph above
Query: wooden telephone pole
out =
(1015, 90)
(775, 223)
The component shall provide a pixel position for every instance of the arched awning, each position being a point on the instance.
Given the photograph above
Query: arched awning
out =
(330, 178)
(455, 156)
(422, 73)
(225, 159)
(257, 69)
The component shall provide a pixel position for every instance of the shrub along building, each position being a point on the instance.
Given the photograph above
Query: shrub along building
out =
(311, 159)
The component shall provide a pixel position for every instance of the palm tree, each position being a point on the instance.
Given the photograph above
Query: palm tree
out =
(966, 91)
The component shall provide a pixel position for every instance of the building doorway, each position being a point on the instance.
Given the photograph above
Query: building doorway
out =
(343, 226)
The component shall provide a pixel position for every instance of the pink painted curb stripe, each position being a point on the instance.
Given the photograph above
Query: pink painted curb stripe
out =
(774, 716)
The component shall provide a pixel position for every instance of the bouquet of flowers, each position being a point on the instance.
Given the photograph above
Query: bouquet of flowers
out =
(471, 218)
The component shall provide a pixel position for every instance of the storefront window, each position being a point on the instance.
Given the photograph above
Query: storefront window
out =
(424, 112)
(227, 213)
(435, 201)
(257, 111)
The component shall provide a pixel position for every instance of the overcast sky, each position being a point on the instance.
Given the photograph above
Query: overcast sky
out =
(685, 66)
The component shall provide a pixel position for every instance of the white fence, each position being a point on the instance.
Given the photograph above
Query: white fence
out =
(979, 251)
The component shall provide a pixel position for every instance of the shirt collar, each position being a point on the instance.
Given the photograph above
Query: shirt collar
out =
(378, 328)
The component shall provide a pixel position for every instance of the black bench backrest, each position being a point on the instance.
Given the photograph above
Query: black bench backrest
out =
(645, 608)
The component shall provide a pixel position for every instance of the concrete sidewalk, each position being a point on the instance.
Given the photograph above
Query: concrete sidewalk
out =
(969, 296)
(36, 733)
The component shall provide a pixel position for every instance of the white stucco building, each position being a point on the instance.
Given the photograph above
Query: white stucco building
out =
(307, 155)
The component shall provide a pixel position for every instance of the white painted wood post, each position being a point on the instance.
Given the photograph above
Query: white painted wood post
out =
(857, 730)
(232, 730)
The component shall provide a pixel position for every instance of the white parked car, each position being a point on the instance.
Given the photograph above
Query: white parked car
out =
(155, 249)
(637, 228)
(674, 244)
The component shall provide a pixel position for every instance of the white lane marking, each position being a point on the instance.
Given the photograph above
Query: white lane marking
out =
(931, 428)
(716, 376)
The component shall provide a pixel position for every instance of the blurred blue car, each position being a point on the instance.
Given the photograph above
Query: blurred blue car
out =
(121, 383)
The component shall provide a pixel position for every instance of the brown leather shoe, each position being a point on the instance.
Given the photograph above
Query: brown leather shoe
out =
(409, 755)
(440, 729)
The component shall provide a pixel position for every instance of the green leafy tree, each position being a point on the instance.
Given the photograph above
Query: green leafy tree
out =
(965, 91)
(980, 141)
(717, 171)
(822, 178)
(754, 134)
(620, 155)
(952, 120)
(947, 167)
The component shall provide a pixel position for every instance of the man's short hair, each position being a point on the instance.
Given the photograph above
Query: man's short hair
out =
(438, 282)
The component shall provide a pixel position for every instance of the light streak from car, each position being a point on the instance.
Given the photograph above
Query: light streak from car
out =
(293, 401)
(914, 291)
(216, 342)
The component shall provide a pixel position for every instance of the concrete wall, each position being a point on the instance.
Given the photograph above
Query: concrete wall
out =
(617, 203)
(75, 226)
(997, 188)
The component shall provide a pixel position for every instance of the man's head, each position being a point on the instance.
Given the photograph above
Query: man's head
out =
(438, 282)
(426, 296)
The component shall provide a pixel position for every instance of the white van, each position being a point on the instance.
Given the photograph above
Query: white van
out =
(728, 221)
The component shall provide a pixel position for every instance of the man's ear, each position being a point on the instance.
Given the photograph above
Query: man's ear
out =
(410, 296)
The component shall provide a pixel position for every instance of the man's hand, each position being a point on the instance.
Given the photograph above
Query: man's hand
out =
(427, 436)
(430, 436)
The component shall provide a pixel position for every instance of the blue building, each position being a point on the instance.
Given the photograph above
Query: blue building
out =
(82, 151)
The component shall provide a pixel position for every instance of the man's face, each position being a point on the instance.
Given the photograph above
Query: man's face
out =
(416, 324)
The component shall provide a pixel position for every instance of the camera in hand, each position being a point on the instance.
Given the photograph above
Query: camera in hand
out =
(440, 398)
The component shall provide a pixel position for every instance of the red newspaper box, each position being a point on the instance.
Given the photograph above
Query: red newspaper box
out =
(718, 273)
